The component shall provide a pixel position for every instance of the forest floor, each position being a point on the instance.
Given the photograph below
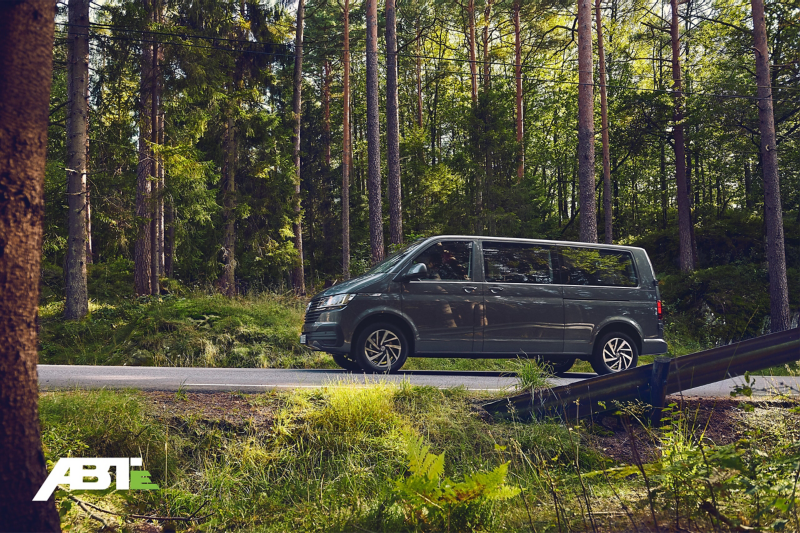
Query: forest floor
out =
(338, 459)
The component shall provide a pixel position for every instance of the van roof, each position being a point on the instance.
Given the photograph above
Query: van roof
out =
(542, 241)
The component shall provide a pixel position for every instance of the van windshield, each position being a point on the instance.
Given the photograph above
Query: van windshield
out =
(387, 264)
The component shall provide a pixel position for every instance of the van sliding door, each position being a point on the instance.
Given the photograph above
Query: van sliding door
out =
(524, 311)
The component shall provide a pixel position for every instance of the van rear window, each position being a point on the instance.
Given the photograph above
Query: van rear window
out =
(509, 262)
(605, 268)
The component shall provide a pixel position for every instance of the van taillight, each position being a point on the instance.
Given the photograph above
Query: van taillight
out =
(658, 310)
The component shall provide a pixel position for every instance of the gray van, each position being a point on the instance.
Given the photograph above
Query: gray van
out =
(492, 297)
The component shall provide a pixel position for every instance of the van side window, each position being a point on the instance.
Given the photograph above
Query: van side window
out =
(509, 262)
(448, 260)
(605, 268)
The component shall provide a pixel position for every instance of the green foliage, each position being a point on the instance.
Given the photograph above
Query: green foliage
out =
(436, 502)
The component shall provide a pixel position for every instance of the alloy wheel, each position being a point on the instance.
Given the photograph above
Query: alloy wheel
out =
(617, 354)
(383, 348)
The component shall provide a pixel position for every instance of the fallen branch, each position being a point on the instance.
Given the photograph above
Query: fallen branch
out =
(192, 517)
(83, 505)
(713, 511)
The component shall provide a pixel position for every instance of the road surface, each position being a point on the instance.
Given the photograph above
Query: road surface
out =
(264, 379)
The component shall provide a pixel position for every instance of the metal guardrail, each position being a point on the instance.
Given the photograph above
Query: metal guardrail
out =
(647, 383)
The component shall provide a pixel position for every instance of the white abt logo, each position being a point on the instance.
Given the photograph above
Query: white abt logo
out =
(73, 471)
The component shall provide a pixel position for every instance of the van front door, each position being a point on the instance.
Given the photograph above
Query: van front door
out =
(524, 310)
(444, 306)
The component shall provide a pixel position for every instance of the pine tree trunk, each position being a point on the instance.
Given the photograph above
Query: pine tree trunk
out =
(227, 281)
(26, 55)
(169, 240)
(748, 185)
(393, 128)
(373, 136)
(684, 210)
(588, 221)
(419, 76)
(776, 256)
(487, 66)
(77, 302)
(473, 67)
(89, 258)
(326, 111)
(141, 272)
(154, 188)
(518, 76)
(298, 274)
(607, 214)
(160, 198)
(346, 150)
(663, 186)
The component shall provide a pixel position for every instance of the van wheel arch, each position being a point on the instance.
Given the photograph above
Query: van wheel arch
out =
(385, 318)
(621, 327)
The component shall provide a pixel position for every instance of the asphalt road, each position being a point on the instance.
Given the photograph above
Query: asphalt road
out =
(263, 379)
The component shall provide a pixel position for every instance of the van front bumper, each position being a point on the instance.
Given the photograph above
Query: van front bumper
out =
(654, 346)
(323, 336)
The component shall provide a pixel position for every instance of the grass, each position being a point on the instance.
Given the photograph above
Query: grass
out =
(331, 459)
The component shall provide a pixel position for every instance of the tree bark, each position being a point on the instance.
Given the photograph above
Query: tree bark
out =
(393, 128)
(487, 67)
(26, 56)
(346, 151)
(684, 210)
(154, 188)
(77, 301)
(473, 67)
(227, 281)
(142, 260)
(161, 184)
(419, 76)
(776, 255)
(588, 221)
(326, 111)
(518, 76)
(298, 274)
(608, 232)
(373, 135)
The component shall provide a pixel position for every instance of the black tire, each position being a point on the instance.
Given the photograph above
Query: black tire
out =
(559, 367)
(344, 361)
(381, 348)
(614, 352)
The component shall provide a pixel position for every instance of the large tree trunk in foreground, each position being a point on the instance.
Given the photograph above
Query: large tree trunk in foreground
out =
(373, 136)
(608, 229)
(684, 209)
(142, 260)
(776, 256)
(518, 76)
(26, 56)
(588, 222)
(298, 274)
(77, 303)
(393, 128)
(346, 157)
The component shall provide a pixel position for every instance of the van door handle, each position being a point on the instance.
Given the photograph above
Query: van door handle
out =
(469, 289)
(495, 290)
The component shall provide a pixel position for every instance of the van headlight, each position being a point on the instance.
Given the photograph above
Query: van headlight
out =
(337, 300)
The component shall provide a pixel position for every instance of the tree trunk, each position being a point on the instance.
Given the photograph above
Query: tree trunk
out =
(169, 240)
(393, 128)
(77, 304)
(326, 111)
(663, 176)
(89, 258)
(518, 75)
(155, 195)
(748, 185)
(419, 76)
(607, 214)
(487, 67)
(160, 197)
(141, 273)
(373, 135)
(588, 221)
(26, 56)
(346, 150)
(298, 275)
(227, 281)
(776, 256)
(684, 210)
(473, 67)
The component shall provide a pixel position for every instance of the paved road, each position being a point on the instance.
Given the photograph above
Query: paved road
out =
(262, 379)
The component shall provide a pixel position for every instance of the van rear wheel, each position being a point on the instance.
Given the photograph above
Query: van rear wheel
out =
(614, 352)
(381, 348)
(561, 366)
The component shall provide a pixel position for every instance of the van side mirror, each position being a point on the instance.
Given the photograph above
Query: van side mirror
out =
(416, 272)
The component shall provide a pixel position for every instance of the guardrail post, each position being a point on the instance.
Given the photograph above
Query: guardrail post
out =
(658, 388)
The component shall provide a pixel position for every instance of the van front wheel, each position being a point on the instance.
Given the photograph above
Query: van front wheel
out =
(615, 352)
(381, 348)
